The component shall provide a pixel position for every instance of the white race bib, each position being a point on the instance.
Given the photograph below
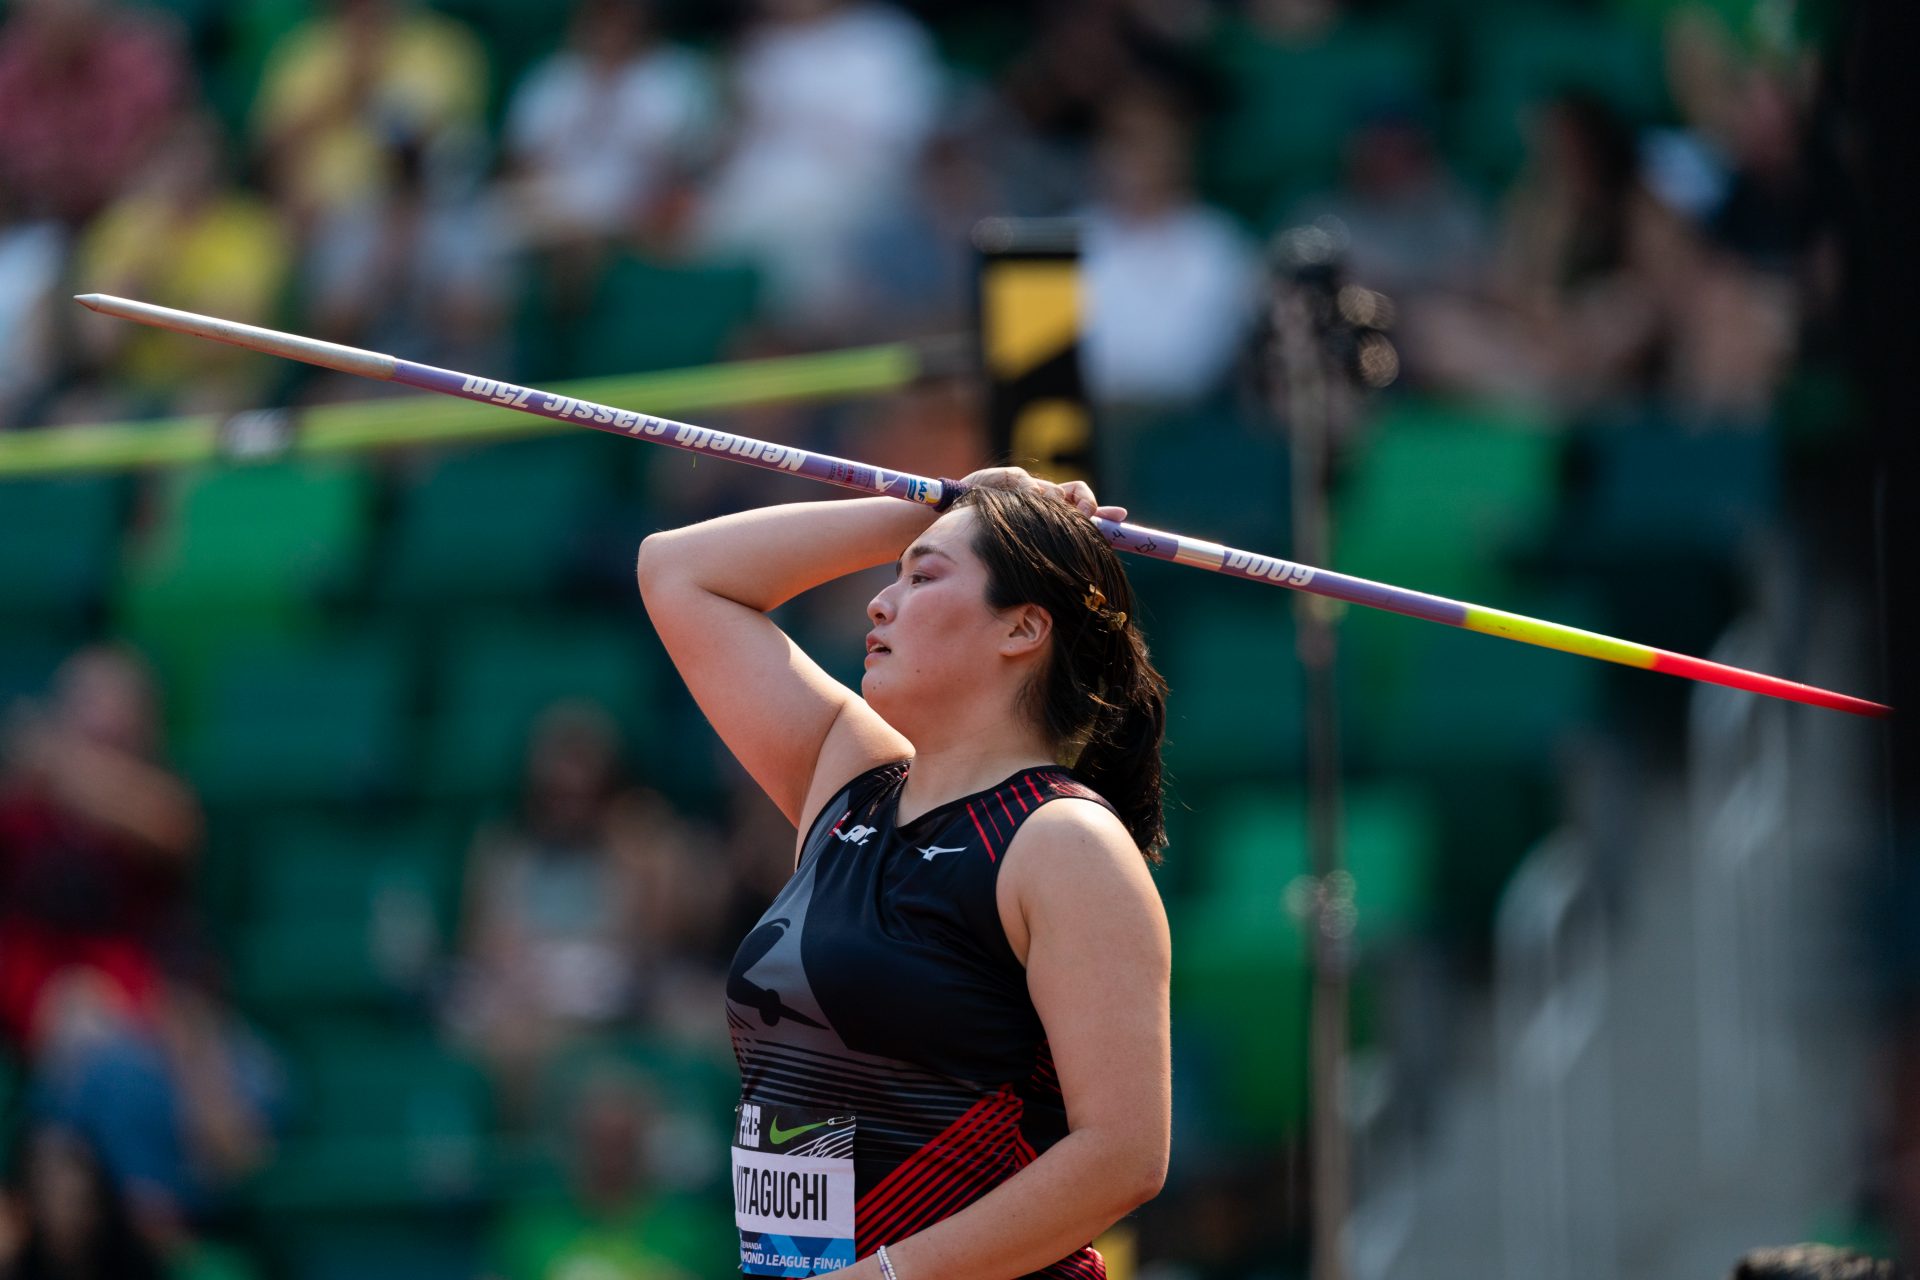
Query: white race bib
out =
(792, 1189)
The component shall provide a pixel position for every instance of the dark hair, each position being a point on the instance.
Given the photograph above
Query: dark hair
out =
(1098, 697)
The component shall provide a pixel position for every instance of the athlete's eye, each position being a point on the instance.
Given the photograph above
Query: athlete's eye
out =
(917, 577)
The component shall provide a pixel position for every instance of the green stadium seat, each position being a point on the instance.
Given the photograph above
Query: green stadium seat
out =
(347, 916)
(58, 542)
(1257, 845)
(501, 523)
(1444, 499)
(1441, 495)
(1240, 1005)
(1662, 528)
(1655, 490)
(649, 315)
(27, 664)
(1235, 710)
(243, 551)
(1471, 700)
(1479, 722)
(223, 873)
(1241, 972)
(303, 721)
(1530, 55)
(210, 1260)
(1168, 472)
(393, 1244)
(289, 531)
(1292, 107)
(642, 315)
(495, 679)
(386, 1120)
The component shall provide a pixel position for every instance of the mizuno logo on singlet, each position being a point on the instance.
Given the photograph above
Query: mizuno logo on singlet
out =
(932, 849)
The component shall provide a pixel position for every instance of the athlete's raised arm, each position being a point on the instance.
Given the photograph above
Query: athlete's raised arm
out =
(708, 588)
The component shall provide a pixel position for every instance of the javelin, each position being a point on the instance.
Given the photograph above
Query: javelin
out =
(1138, 539)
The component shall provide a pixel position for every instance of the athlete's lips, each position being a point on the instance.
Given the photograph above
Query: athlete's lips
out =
(875, 644)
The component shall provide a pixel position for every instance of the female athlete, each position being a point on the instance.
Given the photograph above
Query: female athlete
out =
(951, 1024)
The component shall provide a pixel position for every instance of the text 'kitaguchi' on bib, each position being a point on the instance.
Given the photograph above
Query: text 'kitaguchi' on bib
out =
(793, 1190)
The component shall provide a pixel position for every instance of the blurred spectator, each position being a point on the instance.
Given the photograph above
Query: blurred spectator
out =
(611, 1222)
(1080, 52)
(1578, 248)
(70, 1222)
(183, 236)
(1766, 212)
(1171, 283)
(601, 134)
(1604, 295)
(834, 99)
(573, 905)
(1299, 22)
(176, 1107)
(33, 254)
(1412, 229)
(418, 267)
(917, 256)
(1737, 172)
(96, 839)
(1575, 310)
(86, 87)
(1734, 334)
(340, 91)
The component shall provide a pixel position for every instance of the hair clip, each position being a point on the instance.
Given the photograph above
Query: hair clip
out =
(1095, 598)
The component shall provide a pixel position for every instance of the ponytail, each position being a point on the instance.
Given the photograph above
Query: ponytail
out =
(1121, 760)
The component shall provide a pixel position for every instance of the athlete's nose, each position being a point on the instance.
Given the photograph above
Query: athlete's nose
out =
(880, 608)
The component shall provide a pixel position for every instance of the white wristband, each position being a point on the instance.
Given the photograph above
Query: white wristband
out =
(886, 1263)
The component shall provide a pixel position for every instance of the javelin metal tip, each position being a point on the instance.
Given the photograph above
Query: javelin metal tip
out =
(328, 355)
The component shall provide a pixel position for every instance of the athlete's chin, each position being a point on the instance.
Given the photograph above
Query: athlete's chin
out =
(883, 697)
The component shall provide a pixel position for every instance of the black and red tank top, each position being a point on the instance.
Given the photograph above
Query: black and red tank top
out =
(881, 982)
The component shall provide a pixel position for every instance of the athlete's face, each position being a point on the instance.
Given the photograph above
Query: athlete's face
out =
(934, 638)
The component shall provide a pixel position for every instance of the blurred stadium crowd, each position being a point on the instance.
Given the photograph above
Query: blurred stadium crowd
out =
(366, 884)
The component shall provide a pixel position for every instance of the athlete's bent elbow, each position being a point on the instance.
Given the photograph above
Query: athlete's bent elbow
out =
(1150, 1179)
(1134, 1175)
(652, 560)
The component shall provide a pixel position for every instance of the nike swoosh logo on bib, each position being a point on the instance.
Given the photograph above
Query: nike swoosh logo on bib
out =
(780, 1136)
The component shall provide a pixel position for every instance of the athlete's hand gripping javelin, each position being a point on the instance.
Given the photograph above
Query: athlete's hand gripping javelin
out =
(1075, 493)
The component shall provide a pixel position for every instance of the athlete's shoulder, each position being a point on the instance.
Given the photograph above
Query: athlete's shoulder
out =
(1093, 815)
(1070, 858)
(1060, 784)
(1079, 828)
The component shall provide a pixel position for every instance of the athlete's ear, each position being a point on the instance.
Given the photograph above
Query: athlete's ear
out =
(1028, 628)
